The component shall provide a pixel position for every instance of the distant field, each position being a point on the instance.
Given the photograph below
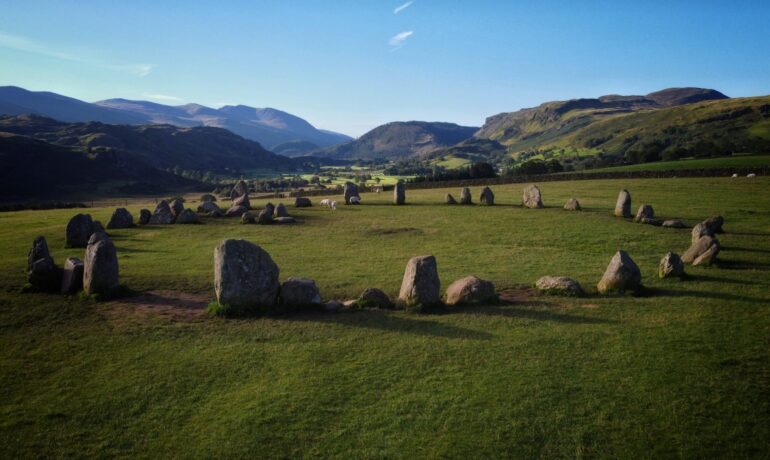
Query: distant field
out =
(742, 161)
(681, 372)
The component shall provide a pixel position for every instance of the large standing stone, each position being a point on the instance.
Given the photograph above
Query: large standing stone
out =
(399, 193)
(465, 196)
(210, 208)
(698, 231)
(373, 298)
(623, 205)
(242, 200)
(38, 251)
(79, 230)
(299, 292)
(144, 216)
(421, 286)
(532, 197)
(265, 217)
(121, 218)
(714, 224)
(350, 191)
(302, 202)
(270, 209)
(645, 212)
(471, 290)
(187, 216)
(177, 206)
(702, 252)
(241, 188)
(42, 273)
(162, 215)
(559, 285)
(449, 199)
(100, 267)
(245, 275)
(622, 275)
(572, 204)
(487, 197)
(281, 211)
(72, 276)
(671, 266)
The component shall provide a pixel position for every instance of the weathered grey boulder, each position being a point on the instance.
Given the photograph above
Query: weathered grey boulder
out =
(702, 252)
(242, 200)
(673, 223)
(699, 231)
(671, 266)
(465, 196)
(281, 211)
(236, 211)
(162, 214)
(270, 208)
(210, 208)
(714, 224)
(471, 290)
(144, 216)
(299, 292)
(487, 197)
(302, 202)
(399, 193)
(245, 276)
(265, 217)
(559, 285)
(187, 216)
(248, 217)
(240, 189)
(622, 275)
(121, 218)
(645, 212)
(72, 276)
(572, 204)
(79, 229)
(42, 273)
(177, 206)
(374, 298)
(532, 197)
(284, 220)
(206, 197)
(421, 286)
(623, 205)
(350, 191)
(100, 267)
(449, 199)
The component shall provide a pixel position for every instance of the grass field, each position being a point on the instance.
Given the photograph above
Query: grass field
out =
(739, 161)
(683, 371)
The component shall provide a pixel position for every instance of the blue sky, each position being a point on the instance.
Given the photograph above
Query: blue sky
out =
(351, 65)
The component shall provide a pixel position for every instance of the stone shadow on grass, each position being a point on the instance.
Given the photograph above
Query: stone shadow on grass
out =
(715, 279)
(539, 314)
(666, 292)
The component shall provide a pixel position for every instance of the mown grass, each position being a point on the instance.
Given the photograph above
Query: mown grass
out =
(681, 372)
(738, 161)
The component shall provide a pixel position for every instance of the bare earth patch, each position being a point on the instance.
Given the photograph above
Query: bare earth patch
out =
(171, 305)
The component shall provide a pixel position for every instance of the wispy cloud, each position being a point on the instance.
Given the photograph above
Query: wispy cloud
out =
(26, 45)
(163, 97)
(403, 7)
(398, 40)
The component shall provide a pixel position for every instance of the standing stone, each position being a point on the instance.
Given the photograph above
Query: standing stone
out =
(622, 275)
(399, 193)
(421, 286)
(42, 273)
(714, 224)
(623, 205)
(38, 251)
(645, 212)
(302, 202)
(299, 292)
(210, 208)
(671, 266)
(572, 204)
(162, 215)
(248, 217)
(245, 275)
(187, 216)
(242, 200)
(559, 285)
(465, 196)
(72, 276)
(241, 188)
(350, 191)
(236, 211)
(100, 267)
(487, 197)
(144, 216)
(704, 251)
(121, 218)
(265, 217)
(280, 211)
(79, 230)
(471, 290)
(177, 207)
(449, 199)
(532, 197)
(698, 231)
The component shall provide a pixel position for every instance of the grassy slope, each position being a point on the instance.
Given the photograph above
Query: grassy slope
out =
(683, 373)
(740, 161)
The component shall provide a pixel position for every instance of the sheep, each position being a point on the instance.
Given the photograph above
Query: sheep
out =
(735, 174)
(326, 202)
(333, 205)
(751, 175)
(355, 200)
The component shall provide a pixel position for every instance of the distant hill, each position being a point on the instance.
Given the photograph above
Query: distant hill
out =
(295, 148)
(269, 127)
(400, 140)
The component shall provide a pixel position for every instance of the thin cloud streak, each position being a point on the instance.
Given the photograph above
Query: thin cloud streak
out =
(398, 40)
(163, 97)
(403, 7)
(18, 43)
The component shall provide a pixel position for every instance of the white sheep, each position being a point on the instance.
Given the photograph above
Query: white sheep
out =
(735, 174)
(333, 205)
(326, 202)
(355, 200)
(751, 175)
